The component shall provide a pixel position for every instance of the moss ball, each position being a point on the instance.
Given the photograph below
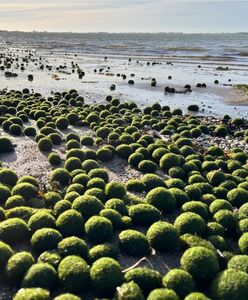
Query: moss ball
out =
(4, 193)
(135, 158)
(227, 219)
(104, 154)
(60, 176)
(237, 197)
(135, 185)
(51, 257)
(67, 296)
(99, 173)
(70, 223)
(13, 230)
(87, 140)
(41, 220)
(243, 243)
(162, 199)
(146, 279)
(51, 198)
(230, 284)
(147, 166)
(189, 222)
(61, 206)
(238, 262)
(25, 190)
(181, 196)
(87, 205)
(196, 207)
(8, 177)
(40, 275)
(201, 263)
(105, 276)
(168, 161)
(45, 239)
(163, 236)
(32, 294)
(180, 281)
(134, 243)
(89, 164)
(5, 253)
(115, 190)
(74, 273)
(129, 291)
(103, 250)
(98, 229)
(62, 123)
(219, 204)
(18, 265)
(197, 296)
(144, 214)
(152, 181)
(124, 151)
(161, 294)
(118, 205)
(45, 144)
(6, 145)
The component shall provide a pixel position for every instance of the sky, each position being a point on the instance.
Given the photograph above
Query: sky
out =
(124, 15)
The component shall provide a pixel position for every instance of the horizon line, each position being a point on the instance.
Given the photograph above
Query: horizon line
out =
(124, 32)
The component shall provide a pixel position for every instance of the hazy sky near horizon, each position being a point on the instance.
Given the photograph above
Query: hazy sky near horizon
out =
(124, 15)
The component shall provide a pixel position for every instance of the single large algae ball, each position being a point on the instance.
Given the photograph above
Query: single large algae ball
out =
(74, 273)
(201, 263)
(134, 243)
(13, 230)
(163, 236)
(162, 294)
(180, 281)
(237, 197)
(230, 284)
(45, 239)
(115, 190)
(5, 254)
(146, 279)
(98, 229)
(162, 199)
(144, 214)
(32, 294)
(169, 160)
(105, 276)
(87, 205)
(18, 265)
(70, 223)
(67, 296)
(103, 250)
(6, 145)
(40, 275)
(189, 222)
(243, 243)
(8, 177)
(129, 291)
(197, 296)
(239, 262)
(60, 176)
(73, 246)
(25, 190)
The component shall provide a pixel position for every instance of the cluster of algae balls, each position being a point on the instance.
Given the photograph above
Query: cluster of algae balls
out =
(187, 202)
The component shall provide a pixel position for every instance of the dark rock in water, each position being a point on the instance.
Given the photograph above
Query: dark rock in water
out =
(199, 66)
(148, 63)
(8, 74)
(229, 80)
(153, 83)
(132, 75)
(204, 85)
(112, 87)
(187, 86)
(169, 77)
(30, 77)
(216, 81)
(193, 107)
(130, 59)
(199, 85)
(131, 81)
(124, 76)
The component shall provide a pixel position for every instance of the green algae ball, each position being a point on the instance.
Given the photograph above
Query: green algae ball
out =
(180, 281)
(5, 253)
(134, 243)
(237, 197)
(103, 250)
(73, 246)
(25, 190)
(239, 262)
(162, 294)
(67, 296)
(163, 236)
(18, 265)
(41, 220)
(13, 230)
(143, 214)
(45, 239)
(32, 294)
(168, 161)
(8, 177)
(115, 190)
(106, 275)
(129, 291)
(197, 296)
(162, 199)
(74, 273)
(190, 222)
(146, 279)
(60, 176)
(98, 229)
(40, 275)
(87, 205)
(243, 243)
(200, 262)
(152, 181)
(230, 284)
(70, 223)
